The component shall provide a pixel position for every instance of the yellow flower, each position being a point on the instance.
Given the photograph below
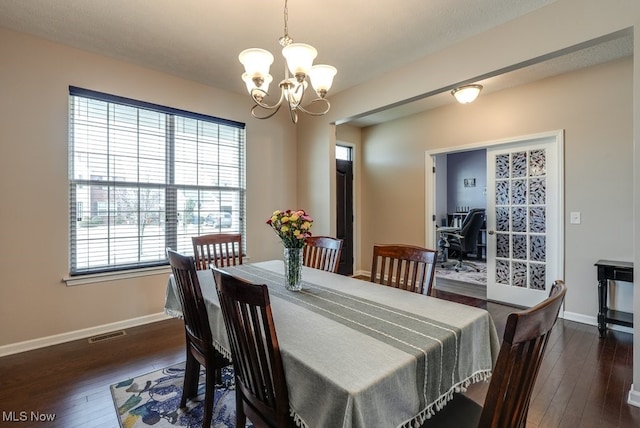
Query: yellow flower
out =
(285, 219)
(274, 218)
(306, 225)
(276, 212)
(294, 217)
(296, 233)
(284, 228)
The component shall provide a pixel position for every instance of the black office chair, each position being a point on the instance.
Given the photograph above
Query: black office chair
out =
(464, 240)
(443, 243)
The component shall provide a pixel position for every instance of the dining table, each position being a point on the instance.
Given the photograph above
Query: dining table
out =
(358, 354)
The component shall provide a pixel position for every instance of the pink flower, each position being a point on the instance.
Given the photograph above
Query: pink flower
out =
(291, 226)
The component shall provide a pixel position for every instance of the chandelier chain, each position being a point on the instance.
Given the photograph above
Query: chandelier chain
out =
(285, 40)
(286, 18)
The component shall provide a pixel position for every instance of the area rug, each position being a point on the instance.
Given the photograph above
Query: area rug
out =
(153, 400)
(466, 274)
(466, 282)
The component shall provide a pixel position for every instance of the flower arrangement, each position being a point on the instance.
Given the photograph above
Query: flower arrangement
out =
(291, 226)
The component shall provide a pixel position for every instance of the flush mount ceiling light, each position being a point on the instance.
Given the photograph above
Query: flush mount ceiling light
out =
(466, 94)
(299, 58)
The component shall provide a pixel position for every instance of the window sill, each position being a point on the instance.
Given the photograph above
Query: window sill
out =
(115, 276)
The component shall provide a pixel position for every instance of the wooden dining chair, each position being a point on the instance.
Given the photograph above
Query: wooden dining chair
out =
(506, 404)
(404, 266)
(322, 252)
(217, 249)
(200, 349)
(261, 388)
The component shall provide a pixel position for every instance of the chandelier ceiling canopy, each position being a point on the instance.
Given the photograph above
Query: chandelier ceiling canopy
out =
(299, 58)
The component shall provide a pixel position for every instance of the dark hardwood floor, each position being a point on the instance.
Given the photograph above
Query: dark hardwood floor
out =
(584, 381)
(72, 380)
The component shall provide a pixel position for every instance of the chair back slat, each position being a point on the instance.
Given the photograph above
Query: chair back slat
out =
(322, 252)
(260, 383)
(524, 343)
(404, 266)
(217, 249)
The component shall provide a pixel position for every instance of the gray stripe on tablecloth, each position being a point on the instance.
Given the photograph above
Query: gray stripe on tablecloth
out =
(406, 331)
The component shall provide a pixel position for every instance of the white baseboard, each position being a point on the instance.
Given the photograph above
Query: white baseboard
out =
(591, 320)
(43, 342)
(581, 318)
(362, 273)
(634, 397)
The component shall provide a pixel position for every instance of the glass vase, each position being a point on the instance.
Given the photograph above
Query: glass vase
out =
(293, 269)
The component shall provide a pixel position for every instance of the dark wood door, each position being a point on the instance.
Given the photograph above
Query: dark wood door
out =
(344, 214)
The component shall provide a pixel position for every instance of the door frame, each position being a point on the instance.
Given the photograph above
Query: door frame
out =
(430, 185)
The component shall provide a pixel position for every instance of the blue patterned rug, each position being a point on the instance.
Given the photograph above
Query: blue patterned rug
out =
(153, 399)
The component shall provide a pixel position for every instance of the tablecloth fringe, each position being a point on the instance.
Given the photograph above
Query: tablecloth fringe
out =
(430, 410)
(222, 350)
(173, 313)
(297, 419)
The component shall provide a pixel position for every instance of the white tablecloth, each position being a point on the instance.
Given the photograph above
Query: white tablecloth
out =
(362, 355)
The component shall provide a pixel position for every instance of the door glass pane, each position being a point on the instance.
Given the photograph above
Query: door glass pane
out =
(502, 166)
(519, 164)
(537, 163)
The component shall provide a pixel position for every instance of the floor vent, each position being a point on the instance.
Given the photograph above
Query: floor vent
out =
(107, 336)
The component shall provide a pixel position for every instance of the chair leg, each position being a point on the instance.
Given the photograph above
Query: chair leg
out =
(219, 362)
(209, 393)
(191, 378)
(241, 417)
(463, 263)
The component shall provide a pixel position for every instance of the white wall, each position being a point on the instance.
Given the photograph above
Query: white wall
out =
(461, 166)
(34, 224)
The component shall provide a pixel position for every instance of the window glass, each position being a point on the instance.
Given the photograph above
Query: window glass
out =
(343, 153)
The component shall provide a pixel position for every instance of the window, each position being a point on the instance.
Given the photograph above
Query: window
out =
(157, 177)
(343, 153)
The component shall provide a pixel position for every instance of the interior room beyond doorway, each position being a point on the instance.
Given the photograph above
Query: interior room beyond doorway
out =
(461, 185)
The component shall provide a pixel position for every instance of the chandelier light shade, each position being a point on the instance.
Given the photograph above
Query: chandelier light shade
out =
(466, 94)
(299, 58)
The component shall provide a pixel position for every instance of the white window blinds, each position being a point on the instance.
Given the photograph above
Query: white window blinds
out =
(144, 177)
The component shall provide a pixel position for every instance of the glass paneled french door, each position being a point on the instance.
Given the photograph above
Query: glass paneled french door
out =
(524, 219)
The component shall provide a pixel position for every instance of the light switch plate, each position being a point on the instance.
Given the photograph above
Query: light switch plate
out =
(575, 217)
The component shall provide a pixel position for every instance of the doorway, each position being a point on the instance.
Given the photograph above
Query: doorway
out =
(461, 179)
(524, 217)
(344, 207)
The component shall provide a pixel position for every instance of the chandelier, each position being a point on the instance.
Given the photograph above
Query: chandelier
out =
(299, 58)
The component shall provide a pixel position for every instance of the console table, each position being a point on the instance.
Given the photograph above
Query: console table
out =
(612, 270)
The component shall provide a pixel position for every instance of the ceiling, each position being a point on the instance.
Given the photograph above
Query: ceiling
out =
(200, 40)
